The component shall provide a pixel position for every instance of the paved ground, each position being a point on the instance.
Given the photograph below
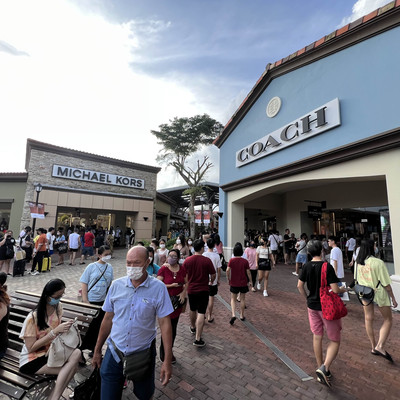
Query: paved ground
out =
(244, 361)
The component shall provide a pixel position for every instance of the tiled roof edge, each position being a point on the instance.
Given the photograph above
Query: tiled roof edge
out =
(338, 32)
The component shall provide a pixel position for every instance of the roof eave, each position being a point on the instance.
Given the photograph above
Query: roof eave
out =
(372, 24)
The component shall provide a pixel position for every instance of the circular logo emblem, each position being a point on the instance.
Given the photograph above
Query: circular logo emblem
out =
(273, 107)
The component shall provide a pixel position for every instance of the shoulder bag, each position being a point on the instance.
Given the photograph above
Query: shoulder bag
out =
(365, 293)
(62, 346)
(137, 367)
(331, 304)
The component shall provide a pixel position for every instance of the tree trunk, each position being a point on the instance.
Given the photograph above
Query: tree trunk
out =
(192, 216)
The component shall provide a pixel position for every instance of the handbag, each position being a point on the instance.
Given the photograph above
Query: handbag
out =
(176, 303)
(9, 252)
(331, 304)
(62, 347)
(62, 248)
(20, 254)
(137, 367)
(89, 389)
(365, 293)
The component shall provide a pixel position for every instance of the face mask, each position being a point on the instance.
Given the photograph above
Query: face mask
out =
(105, 258)
(172, 261)
(162, 246)
(134, 273)
(190, 242)
(151, 259)
(54, 302)
(178, 241)
(252, 245)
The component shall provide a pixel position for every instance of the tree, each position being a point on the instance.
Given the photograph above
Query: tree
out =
(180, 139)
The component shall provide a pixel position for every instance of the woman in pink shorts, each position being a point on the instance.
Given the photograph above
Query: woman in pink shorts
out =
(311, 273)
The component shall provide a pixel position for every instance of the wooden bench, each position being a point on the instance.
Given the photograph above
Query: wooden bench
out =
(12, 382)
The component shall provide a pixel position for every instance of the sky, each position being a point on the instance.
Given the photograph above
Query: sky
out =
(99, 75)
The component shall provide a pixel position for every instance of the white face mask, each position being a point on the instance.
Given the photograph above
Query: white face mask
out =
(106, 258)
(162, 246)
(151, 259)
(134, 273)
(178, 241)
(190, 242)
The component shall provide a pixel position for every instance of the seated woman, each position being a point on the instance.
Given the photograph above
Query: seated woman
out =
(40, 328)
(4, 314)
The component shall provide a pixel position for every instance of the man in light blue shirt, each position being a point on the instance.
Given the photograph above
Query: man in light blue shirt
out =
(131, 306)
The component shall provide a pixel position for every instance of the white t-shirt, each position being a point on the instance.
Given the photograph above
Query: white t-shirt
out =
(214, 257)
(73, 240)
(50, 239)
(263, 252)
(273, 241)
(336, 255)
(351, 244)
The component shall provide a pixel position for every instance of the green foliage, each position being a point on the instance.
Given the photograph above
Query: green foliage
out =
(170, 243)
(184, 136)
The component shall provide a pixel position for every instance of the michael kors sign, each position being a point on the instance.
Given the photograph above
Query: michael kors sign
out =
(78, 174)
(315, 122)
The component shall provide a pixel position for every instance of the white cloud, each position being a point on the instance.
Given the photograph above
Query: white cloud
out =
(76, 87)
(361, 8)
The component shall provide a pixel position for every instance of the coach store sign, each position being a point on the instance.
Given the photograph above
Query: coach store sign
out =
(78, 174)
(315, 122)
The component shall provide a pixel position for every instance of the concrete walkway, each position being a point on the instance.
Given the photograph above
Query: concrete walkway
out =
(267, 356)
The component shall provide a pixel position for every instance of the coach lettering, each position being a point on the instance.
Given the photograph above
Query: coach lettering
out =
(313, 123)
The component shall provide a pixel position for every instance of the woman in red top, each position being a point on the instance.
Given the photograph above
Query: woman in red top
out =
(238, 273)
(174, 277)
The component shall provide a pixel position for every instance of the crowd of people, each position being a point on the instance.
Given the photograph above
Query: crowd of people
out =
(160, 284)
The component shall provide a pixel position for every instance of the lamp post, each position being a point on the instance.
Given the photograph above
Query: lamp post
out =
(38, 189)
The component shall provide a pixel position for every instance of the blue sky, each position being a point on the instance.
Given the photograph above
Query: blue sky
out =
(98, 75)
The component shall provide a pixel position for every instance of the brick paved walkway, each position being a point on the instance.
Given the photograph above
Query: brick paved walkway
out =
(236, 364)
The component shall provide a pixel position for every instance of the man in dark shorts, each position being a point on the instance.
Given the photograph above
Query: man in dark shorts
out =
(200, 271)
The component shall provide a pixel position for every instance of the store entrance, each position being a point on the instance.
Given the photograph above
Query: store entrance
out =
(84, 218)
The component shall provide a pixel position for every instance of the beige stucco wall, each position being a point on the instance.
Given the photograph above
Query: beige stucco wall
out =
(14, 191)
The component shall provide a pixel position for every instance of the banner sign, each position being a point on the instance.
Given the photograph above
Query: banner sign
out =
(197, 216)
(37, 210)
(206, 217)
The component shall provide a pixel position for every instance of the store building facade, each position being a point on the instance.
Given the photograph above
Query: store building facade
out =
(82, 189)
(315, 146)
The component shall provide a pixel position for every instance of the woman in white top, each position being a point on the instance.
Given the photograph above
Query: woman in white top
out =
(162, 253)
(263, 261)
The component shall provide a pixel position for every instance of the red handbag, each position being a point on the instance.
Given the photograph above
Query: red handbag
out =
(331, 304)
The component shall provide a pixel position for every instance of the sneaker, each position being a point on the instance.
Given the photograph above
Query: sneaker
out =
(295, 273)
(192, 330)
(173, 360)
(35, 273)
(265, 293)
(258, 286)
(322, 375)
(199, 343)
